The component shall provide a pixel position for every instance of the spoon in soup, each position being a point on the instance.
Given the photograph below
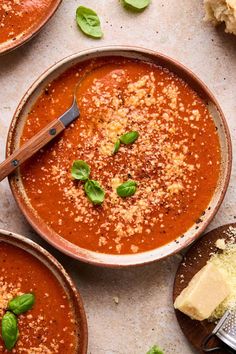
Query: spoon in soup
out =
(39, 140)
(44, 136)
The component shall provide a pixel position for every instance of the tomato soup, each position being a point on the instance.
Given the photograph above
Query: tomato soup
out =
(175, 161)
(49, 327)
(19, 17)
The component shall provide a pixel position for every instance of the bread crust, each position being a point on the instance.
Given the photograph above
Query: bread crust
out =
(221, 11)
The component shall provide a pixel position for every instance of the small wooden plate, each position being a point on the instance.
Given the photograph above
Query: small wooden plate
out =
(196, 257)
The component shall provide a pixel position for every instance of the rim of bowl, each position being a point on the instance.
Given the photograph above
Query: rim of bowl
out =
(58, 271)
(171, 248)
(10, 45)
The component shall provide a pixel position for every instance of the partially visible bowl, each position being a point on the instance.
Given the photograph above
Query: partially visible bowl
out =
(23, 37)
(139, 258)
(61, 276)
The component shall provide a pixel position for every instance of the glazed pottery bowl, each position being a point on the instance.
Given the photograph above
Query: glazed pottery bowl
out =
(24, 37)
(62, 277)
(102, 259)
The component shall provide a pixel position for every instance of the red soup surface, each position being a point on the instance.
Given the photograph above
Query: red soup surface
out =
(48, 328)
(19, 16)
(175, 160)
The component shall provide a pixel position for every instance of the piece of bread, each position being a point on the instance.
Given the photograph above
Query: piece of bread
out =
(218, 11)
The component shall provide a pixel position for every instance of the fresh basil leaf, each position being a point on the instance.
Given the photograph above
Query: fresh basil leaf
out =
(116, 147)
(80, 170)
(94, 192)
(21, 304)
(155, 350)
(129, 138)
(10, 332)
(89, 22)
(127, 189)
(136, 5)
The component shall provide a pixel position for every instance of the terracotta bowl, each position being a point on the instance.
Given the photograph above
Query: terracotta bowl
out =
(72, 250)
(24, 37)
(63, 278)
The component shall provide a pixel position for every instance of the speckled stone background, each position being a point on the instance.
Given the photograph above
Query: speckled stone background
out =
(144, 315)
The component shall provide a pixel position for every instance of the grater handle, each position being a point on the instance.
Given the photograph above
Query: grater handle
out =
(206, 349)
(205, 342)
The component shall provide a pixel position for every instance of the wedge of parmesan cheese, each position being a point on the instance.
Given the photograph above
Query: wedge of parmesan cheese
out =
(204, 293)
(218, 11)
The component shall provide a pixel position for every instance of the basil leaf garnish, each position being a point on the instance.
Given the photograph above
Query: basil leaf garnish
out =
(116, 147)
(21, 304)
(94, 192)
(155, 350)
(9, 330)
(80, 170)
(89, 22)
(136, 5)
(127, 189)
(129, 138)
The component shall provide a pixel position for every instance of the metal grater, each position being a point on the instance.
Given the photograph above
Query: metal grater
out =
(226, 329)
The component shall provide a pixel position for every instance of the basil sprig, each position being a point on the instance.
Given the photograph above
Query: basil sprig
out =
(136, 5)
(116, 147)
(16, 306)
(127, 139)
(89, 22)
(155, 350)
(21, 304)
(127, 189)
(94, 192)
(10, 331)
(81, 171)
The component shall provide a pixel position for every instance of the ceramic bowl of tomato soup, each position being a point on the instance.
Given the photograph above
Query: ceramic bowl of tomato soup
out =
(21, 20)
(55, 321)
(151, 153)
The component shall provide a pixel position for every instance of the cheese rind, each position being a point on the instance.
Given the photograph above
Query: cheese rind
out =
(207, 289)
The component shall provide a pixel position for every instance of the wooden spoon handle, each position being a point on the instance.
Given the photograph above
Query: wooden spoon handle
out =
(30, 148)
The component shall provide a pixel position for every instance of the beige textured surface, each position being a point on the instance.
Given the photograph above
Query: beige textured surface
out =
(144, 315)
